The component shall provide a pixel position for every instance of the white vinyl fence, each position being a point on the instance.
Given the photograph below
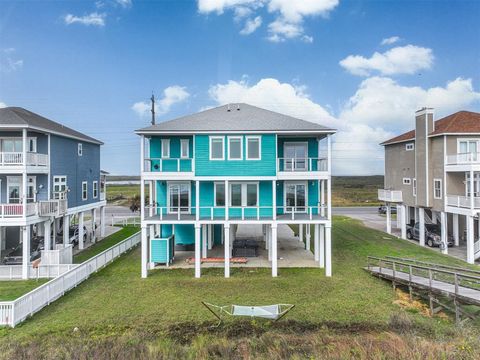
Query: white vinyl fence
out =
(14, 312)
(14, 272)
(126, 220)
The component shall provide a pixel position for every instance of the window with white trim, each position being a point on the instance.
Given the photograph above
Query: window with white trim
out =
(95, 189)
(414, 187)
(407, 181)
(476, 184)
(32, 144)
(217, 148)
(184, 148)
(254, 146)
(165, 148)
(244, 194)
(219, 194)
(60, 187)
(437, 188)
(409, 147)
(84, 190)
(80, 149)
(235, 148)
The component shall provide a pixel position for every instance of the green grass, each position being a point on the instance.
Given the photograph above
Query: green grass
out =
(115, 308)
(10, 290)
(104, 244)
(356, 190)
(122, 194)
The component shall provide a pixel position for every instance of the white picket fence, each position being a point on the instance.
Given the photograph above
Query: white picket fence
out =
(16, 311)
(14, 272)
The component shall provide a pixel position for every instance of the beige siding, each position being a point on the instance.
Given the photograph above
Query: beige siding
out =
(436, 169)
(400, 164)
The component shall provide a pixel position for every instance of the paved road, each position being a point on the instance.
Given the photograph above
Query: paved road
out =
(368, 215)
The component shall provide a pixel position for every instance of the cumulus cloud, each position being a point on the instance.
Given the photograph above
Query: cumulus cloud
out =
(124, 3)
(390, 40)
(399, 60)
(288, 15)
(251, 25)
(2, 104)
(171, 95)
(93, 19)
(8, 61)
(378, 110)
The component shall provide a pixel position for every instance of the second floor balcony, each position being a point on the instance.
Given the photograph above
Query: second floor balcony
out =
(390, 195)
(39, 208)
(288, 167)
(10, 160)
(465, 202)
(170, 165)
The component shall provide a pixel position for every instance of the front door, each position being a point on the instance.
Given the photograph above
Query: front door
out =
(14, 189)
(295, 197)
(179, 198)
(295, 154)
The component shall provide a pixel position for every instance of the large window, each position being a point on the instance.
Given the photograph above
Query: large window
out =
(235, 151)
(165, 148)
(179, 197)
(244, 194)
(253, 148)
(295, 197)
(59, 187)
(219, 194)
(476, 184)
(84, 190)
(217, 149)
(12, 145)
(184, 148)
(437, 188)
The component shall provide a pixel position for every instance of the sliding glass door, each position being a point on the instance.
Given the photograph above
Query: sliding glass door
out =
(179, 198)
(295, 154)
(295, 197)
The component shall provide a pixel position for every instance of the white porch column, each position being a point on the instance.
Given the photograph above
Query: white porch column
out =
(227, 199)
(197, 200)
(421, 227)
(470, 240)
(328, 250)
(316, 241)
(66, 229)
(94, 225)
(269, 242)
(300, 232)
(322, 197)
(47, 236)
(25, 251)
(102, 221)
(389, 219)
(274, 251)
(329, 181)
(197, 251)
(144, 245)
(307, 243)
(274, 200)
(443, 231)
(142, 182)
(403, 221)
(204, 241)
(322, 246)
(226, 245)
(456, 235)
(210, 236)
(80, 230)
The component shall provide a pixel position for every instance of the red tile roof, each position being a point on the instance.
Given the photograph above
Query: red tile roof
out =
(462, 122)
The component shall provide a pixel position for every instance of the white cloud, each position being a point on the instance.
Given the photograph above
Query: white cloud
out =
(251, 25)
(378, 110)
(171, 95)
(124, 3)
(8, 61)
(288, 14)
(391, 40)
(2, 105)
(93, 19)
(399, 60)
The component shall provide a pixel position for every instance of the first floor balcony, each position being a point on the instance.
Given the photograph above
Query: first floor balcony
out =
(39, 208)
(390, 195)
(465, 202)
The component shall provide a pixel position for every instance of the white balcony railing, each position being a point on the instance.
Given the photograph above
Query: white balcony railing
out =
(302, 164)
(463, 201)
(42, 208)
(169, 165)
(463, 158)
(390, 195)
(17, 210)
(52, 207)
(16, 159)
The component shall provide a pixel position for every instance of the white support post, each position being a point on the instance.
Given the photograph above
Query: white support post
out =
(470, 240)
(322, 247)
(329, 181)
(328, 250)
(204, 241)
(316, 242)
(80, 230)
(66, 229)
(94, 225)
(322, 197)
(307, 243)
(197, 200)
(142, 182)
(210, 236)
(443, 232)
(47, 235)
(300, 232)
(274, 200)
(102, 221)
(403, 221)
(150, 198)
(274, 251)
(472, 193)
(269, 242)
(227, 199)
(389, 219)
(226, 245)
(144, 244)
(197, 251)
(421, 227)
(25, 251)
(456, 235)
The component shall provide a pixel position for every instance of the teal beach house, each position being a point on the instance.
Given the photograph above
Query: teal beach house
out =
(206, 175)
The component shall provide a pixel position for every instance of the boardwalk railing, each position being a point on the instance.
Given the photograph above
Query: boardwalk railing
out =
(14, 312)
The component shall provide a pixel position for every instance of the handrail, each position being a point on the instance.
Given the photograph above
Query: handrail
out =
(435, 264)
(296, 164)
(162, 166)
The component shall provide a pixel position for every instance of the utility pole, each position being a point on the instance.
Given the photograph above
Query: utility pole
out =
(153, 109)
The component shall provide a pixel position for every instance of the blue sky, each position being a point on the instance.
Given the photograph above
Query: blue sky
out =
(362, 67)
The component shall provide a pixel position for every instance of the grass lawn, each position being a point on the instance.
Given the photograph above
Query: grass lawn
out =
(121, 194)
(10, 290)
(104, 244)
(356, 190)
(117, 314)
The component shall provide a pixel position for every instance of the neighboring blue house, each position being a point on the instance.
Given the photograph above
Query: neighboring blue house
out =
(236, 164)
(49, 173)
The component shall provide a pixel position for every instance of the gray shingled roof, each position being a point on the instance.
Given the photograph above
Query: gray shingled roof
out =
(235, 117)
(17, 116)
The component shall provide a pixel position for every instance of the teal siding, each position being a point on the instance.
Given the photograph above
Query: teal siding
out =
(264, 167)
(170, 165)
(313, 195)
(312, 148)
(161, 250)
